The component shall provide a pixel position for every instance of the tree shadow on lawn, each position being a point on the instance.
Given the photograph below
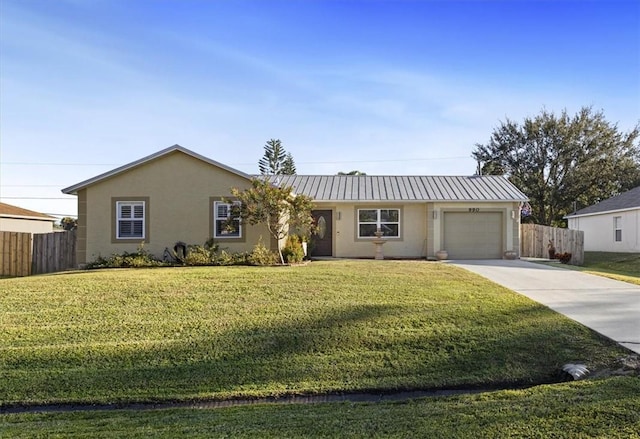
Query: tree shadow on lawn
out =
(349, 349)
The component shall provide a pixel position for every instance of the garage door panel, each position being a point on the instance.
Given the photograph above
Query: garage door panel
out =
(473, 235)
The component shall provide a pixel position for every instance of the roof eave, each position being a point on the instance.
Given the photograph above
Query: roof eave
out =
(602, 212)
(419, 201)
(25, 217)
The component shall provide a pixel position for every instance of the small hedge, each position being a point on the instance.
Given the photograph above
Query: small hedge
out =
(194, 255)
(141, 258)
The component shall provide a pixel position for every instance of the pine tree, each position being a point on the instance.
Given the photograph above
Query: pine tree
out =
(276, 161)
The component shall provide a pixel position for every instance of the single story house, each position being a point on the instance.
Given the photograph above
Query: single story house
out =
(177, 195)
(612, 225)
(17, 219)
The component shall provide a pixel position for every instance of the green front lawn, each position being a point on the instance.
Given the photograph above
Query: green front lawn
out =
(622, 266)
(223, 332)
(585, 409)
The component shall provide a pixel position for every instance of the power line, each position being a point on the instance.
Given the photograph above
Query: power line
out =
(252, 163)
(61, 214)
(32, 185)
(59, 164)
(36, 198)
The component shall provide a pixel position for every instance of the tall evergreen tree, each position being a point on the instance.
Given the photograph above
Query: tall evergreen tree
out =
(562, 161)
(288, 166)
(276, 161)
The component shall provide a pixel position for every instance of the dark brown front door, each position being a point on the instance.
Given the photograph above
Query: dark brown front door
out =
(322, 239)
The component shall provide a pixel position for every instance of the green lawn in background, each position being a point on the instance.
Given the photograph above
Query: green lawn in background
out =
(621, 266)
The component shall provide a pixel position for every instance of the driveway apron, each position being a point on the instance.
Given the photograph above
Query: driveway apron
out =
(607, 306)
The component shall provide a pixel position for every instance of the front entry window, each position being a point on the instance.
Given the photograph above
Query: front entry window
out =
(322, 227)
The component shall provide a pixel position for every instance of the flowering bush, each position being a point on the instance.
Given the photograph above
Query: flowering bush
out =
(564, 258)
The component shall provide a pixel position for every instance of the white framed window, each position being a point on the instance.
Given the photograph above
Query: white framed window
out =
(370, 220)
(223, 228)
(130, 219)
(617, 228)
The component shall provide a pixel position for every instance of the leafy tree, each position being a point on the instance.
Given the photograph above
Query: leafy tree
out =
(69, 223)
(276, 207)
(276, 161)
(563, 161)
(352, 173)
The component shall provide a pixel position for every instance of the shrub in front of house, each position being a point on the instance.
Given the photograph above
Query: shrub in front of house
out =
(293, 252)
(261, 255)
(139, 258)
(198, 255)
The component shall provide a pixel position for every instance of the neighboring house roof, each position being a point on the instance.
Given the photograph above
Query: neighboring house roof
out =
(72, 190)
(624, 201)
(9, 211)
(401, 188)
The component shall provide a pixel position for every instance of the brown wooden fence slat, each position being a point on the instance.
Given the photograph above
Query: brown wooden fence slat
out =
(534, 239)
(15, 254)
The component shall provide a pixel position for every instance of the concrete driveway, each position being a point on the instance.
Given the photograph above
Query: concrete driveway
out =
(607, 306)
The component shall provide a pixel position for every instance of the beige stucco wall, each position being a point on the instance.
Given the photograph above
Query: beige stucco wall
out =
(180, 189)
(420, 225)
(410, 244)
(26, 225)
(599, 231)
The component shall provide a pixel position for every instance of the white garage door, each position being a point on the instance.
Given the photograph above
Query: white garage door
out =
(473, 235)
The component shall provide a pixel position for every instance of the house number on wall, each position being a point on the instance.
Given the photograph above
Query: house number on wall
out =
(474, 209)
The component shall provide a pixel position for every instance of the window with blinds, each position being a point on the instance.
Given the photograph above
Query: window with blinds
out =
(617, 228)
(224, 225)
(131, 219)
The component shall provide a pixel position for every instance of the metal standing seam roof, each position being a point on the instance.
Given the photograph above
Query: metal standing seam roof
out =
(401, 188)
(626, 200)
(358, 187)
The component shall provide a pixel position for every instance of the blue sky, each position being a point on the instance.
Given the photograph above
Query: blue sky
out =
(384, 87)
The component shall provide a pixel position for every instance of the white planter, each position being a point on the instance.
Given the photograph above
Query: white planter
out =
(441, 255)
(510, 254)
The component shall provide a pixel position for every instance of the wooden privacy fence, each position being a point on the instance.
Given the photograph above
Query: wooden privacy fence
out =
(15, 259)
(53, 252)
(24, 254)
(534, 240)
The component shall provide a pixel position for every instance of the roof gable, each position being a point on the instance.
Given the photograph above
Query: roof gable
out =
(72, 190)
(401, 188)
(626, 200)
(10, 211)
